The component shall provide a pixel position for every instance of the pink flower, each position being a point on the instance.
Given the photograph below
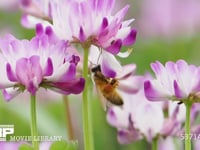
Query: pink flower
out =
(169, 143)
(9, 5)
(86, 22)
(16, 145)
(175, 81)
(41, 62)
(92, 22)
(140, 118)
(9, 145)
(175, 17)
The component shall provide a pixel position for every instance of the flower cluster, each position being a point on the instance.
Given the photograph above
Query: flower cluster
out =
(140, 118)
(50, 60)
(87, 22)
(176, 81)
(41, 62)
(158, 119)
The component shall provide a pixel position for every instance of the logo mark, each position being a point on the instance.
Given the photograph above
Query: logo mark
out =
(5, 130)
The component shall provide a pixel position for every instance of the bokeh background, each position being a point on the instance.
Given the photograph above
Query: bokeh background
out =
(167, 30)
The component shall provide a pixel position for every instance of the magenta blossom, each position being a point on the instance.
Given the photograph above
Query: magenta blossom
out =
(174, 144)
(175, 81)
(41, 62)
(8, 5)
(176, 17)
(16, 145)
(9, 145)
(92, 22)
(134, 121)
(170, 143)
(140, 118)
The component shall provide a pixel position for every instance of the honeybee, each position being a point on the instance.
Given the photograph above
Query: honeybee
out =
(107, 87)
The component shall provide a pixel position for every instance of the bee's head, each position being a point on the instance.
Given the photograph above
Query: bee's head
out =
(96, 69)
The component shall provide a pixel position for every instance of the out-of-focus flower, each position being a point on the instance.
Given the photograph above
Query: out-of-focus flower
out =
(169, 143)
(16, 145)
(41, 62)
(9, 145)
(90, 22)
(174, 18)
(9, 5)
(111, 69)
(174, 144)
(175, 81)
(196, 141)
(140, 118)
(35, 12)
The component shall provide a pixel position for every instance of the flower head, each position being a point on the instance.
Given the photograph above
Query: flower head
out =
(176, 81)
(176, 18)
(140, 118)
(92, 22)
(41, 62)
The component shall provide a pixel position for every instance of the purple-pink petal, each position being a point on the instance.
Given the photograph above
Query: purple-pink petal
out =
(69, 74)
(169, 125)
(104, 23)
(32, 88)
(71, 87)
(157, 67)
(75, 59)
(131, 38)
(130, 85)
(48, 71)
(9, 94)
(39, 29)
(10, 74)
(49, 31)
(107, 70)
(177, 90)
(127, 71)
(120, 15)
(123, 137)
(104, 30)
(181, 65)
(127, 136)
(82, 36)
(29, 71)
(115, 47)
(152, 93)
(111, 117)
(25, 3)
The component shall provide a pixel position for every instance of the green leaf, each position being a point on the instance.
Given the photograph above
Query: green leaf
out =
(64, 145)
(25, 147)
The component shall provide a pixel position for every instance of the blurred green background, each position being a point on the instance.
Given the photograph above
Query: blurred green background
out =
(51, 109)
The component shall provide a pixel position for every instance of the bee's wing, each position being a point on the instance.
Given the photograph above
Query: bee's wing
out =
(108, 103)
(100, 95)
(102, 99)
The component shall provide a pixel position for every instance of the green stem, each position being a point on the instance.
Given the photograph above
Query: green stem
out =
(70, 131)
(34, 132)
(87, 127)
(155, 144)
(187, 126)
